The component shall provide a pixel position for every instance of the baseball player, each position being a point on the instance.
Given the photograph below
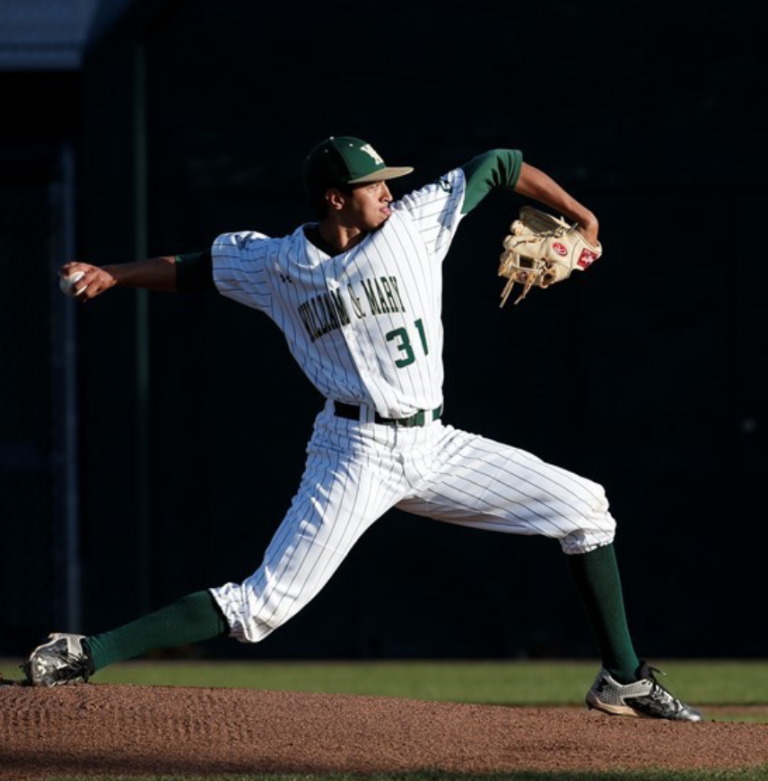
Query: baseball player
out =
(357, 295)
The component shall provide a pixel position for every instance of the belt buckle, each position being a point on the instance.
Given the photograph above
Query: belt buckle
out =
(417, 419)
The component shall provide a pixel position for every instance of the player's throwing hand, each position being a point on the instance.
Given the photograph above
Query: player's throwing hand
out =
(85, 281)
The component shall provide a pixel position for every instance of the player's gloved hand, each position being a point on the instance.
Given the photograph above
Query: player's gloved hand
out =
(542, 249)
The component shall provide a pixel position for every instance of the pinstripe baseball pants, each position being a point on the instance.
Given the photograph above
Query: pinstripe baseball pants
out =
(356, 471)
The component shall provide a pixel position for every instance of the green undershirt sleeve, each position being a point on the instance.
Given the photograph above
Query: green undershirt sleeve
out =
(194, 272)
(486, 172)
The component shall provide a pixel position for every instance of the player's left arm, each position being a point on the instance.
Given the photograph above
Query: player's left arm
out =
(505, 169)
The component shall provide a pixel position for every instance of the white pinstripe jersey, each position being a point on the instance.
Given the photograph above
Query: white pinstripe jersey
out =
(364, 325)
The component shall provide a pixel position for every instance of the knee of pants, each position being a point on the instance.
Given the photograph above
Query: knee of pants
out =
(594, 526)
(593, 506)
(594, 497)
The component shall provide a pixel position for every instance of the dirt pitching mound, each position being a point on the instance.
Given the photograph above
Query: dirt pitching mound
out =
(101, 729)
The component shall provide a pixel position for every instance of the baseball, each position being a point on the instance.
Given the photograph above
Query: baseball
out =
(67, 284)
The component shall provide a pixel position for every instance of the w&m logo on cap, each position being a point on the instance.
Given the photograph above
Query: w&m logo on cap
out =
(342, 160)
(377, 158)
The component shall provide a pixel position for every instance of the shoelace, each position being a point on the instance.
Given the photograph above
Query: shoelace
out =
(659, 693)
(74, 667)
(647, 672)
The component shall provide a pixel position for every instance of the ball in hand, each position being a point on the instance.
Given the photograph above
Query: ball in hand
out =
(68, 284)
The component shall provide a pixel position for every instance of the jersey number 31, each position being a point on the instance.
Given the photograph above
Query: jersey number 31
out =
(403, 343)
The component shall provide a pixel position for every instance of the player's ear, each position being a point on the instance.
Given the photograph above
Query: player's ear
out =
(335, 199)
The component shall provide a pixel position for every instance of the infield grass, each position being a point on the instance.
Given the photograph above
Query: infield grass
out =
(531, 684)
(713, 682)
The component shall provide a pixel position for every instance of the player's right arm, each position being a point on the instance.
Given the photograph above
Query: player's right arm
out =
(166, 273)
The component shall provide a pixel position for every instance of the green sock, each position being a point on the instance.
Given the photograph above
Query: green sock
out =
(193, 618)
(597, 577)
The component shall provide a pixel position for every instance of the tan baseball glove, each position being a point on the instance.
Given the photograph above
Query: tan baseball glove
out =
(542, 250)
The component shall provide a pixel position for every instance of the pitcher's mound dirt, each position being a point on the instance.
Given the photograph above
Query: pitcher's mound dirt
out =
(101, 729)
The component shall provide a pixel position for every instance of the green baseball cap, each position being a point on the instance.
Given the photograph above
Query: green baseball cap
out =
(341, 160)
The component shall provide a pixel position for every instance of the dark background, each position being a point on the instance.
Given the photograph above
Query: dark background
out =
(647, 374)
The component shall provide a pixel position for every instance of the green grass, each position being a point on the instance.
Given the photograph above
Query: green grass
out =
(493, 683)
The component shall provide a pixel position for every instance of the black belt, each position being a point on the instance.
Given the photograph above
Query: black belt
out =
(420, 418)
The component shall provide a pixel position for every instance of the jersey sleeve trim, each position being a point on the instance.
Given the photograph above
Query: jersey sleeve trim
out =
(194, 272)
(499, 168)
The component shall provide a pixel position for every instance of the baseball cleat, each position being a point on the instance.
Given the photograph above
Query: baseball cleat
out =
(644, 698)
(62, 660)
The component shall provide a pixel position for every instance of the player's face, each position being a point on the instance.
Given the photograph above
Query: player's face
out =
(368, 206)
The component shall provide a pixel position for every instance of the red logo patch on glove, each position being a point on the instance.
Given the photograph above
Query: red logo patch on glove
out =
(560, 249)
(587, 258)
